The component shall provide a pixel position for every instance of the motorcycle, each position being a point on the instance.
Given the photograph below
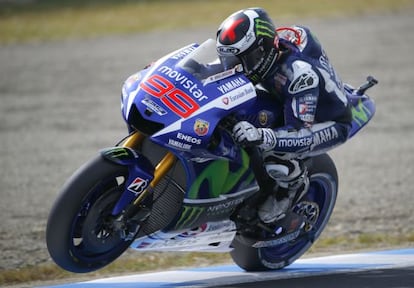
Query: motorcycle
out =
(178, 181)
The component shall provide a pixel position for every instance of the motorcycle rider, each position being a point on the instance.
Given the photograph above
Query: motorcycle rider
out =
(289, 65)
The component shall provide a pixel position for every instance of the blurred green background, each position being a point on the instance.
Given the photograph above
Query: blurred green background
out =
(44, 20)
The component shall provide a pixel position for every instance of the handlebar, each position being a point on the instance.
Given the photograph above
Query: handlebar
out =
(371, 81)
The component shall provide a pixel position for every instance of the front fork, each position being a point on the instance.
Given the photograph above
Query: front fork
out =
(162, 168)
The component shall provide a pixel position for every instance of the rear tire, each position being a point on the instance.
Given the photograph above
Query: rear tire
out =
(79, 236)
(323, 191)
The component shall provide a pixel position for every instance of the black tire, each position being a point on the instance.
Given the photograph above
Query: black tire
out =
(323, 191)
(76, 235)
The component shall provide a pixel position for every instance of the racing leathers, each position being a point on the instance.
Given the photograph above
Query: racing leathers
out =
(317, 117)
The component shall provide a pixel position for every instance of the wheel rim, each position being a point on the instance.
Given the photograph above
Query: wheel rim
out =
(98, 232)
(92, 236)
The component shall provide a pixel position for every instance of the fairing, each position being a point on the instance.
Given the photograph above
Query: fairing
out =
(178, 102)
(363, 109)
(186, 106)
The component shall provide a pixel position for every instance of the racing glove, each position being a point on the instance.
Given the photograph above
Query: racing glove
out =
(246, 134)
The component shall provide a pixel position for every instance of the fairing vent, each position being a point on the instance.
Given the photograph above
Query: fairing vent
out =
(168, 198)
(141, 124)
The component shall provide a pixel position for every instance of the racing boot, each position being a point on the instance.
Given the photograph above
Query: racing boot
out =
(287, 194)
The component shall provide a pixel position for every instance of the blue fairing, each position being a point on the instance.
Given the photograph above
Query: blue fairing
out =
(180, 110)
(363, 109)
(180, 102)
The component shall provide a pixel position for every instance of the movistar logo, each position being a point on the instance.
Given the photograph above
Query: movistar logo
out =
(264, 28)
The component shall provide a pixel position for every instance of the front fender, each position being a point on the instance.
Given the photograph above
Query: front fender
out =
(141, 173)
(123, 156)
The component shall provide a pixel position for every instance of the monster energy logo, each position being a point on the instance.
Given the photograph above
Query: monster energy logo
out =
(189, 216)
(255, 78)
(117, 152)
(264, 28)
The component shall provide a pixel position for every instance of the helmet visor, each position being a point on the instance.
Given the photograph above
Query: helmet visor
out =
(253, 59)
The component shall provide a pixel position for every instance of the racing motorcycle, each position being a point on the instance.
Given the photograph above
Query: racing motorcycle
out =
(179, 182)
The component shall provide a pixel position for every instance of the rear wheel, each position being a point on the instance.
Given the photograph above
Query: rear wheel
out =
(317, 206)
(80, 235)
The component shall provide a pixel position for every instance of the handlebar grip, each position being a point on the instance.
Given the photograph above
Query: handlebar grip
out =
(371, 81)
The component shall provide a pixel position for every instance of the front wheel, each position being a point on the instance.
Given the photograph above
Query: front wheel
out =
(317, 205)
(80, 236)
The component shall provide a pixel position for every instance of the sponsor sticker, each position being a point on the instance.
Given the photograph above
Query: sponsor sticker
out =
(188, 138)
(228, 50)
(263, 118)
(179, 145)
(201, 127)
(154, 107)
(304, 82)
(183, 52)
(188, 84)
(307, 108)
(138, 185)
(231, 85)
(175, 99)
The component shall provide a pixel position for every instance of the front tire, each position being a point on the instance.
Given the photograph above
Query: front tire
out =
(322, 195)
(79, 234)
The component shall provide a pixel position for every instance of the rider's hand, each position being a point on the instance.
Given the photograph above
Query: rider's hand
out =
(247, 134)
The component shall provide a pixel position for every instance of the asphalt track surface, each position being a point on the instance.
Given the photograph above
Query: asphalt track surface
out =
(381, 278)
(381, 269)
(59, 104)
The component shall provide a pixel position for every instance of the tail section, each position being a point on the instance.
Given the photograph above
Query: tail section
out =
(363, 107)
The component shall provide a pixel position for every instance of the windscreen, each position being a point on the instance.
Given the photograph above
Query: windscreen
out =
(203, 62)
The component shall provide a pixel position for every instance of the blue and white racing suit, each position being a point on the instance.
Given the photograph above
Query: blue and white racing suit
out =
(317, 115)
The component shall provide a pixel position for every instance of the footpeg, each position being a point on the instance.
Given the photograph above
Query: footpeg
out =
(280, 240)
(285, 230)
